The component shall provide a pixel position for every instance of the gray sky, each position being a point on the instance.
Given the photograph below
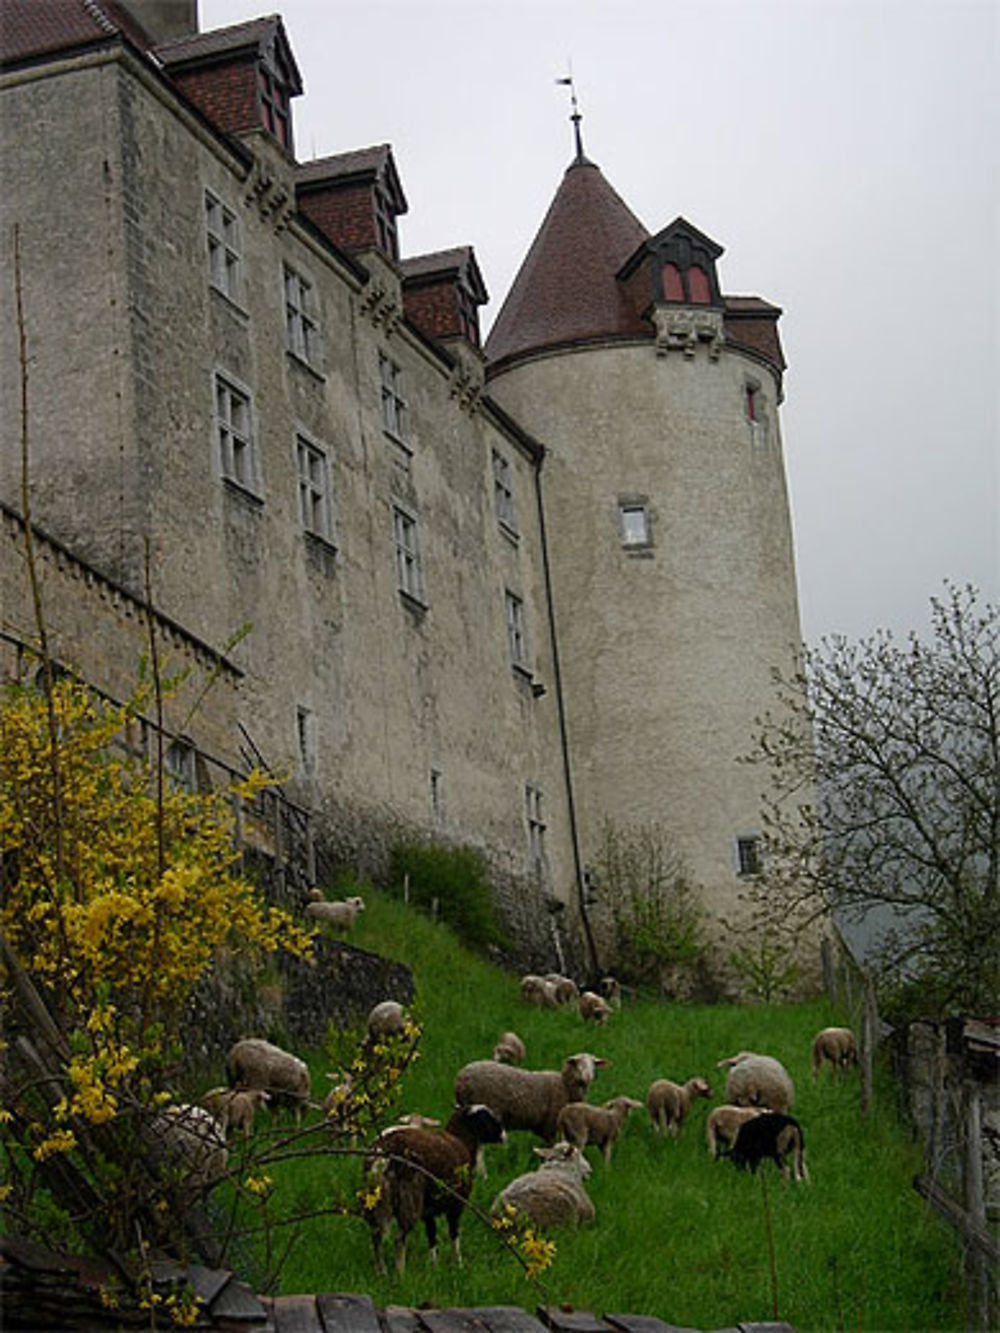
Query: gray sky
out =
(845, 154)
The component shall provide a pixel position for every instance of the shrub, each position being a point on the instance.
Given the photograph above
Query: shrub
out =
(455, 878)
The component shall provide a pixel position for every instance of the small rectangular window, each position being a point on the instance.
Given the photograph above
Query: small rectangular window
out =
(274, 107)
(305, 733)
(393, 403)
(748, 855)
(315, 504)
(516, 640)
(301, 326)
(533, 800)
(634, 524)
(179, 766)
(407, 553)
(503, 491)
(753, 409)
(234, 433)
(224, 258)
(437, 797)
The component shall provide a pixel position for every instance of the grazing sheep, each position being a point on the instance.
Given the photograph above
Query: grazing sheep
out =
(387, 1019)
(538, 991)
(564, 988)
(194, 1144)
(722, 1126)
(668, 1103)
(553, 1195)
(527, 1098)
(582, 1124)
(594, 1008)
(509, 1050)
(339, 915)
(235, 1108)
(773, 1135)
(254, 1063)
(611, 991)
(837, 1047)
(758, 1080)
(423, 1173)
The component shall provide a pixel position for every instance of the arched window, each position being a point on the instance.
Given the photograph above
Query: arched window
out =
(701, 292)
(673, 287)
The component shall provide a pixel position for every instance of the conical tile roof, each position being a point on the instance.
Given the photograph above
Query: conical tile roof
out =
(566, 290)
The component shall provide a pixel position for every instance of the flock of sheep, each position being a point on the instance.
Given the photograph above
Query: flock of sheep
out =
(418, 1171)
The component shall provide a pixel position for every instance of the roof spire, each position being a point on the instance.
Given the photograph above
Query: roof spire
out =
(575, 117)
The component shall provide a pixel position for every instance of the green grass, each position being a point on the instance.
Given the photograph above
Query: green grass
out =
(677, 1235)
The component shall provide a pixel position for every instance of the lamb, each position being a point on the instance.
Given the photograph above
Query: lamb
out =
(723, 1124)
(340, 915)
(387, 1019)
(193, 1142)
(538, 991)
(527, 1098)
(254, 1063)
(611, 991)
(773, 1135)
(235, 1108)
(758, 1080)
(837, 1047)
(668, 1103)
(594, 1008)
(565, 989)
(415, 1173)
(582, 1124)
(509, 1050)
(554, 1194)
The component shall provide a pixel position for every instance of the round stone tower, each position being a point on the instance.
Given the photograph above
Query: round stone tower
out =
(670, 545)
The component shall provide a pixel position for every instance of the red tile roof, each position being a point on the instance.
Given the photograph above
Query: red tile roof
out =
(253, 35)
(33, 28)
(566, 289)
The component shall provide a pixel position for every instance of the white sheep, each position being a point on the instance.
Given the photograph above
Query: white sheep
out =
(194, 1144)
(339, 915)
(255, 1063)
(554, 1194)
(610, 989)
(387, 1019)
(527, 1098)
(582, 1124)
(565, 988)
(538, 991)
(235, 1108)
(835, 1046)
(594, 1008)
(758, 1080)
(723, 1125)
(509, 1050)
(668, 1103)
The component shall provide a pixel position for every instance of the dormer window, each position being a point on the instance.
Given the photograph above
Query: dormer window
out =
(385, 224)
(274, 108)
(698, 287)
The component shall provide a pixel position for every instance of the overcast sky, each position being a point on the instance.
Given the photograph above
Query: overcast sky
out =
(845, 154)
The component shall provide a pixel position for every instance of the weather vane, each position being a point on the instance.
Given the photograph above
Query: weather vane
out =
(575, 117)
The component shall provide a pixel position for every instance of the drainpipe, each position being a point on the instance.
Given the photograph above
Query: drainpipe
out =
(561, 711)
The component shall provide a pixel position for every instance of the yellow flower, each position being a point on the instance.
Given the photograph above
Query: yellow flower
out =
(63, 1140)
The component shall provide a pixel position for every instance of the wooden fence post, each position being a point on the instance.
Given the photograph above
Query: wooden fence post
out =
(829, 975)
(869, 1035)
(976, 1276)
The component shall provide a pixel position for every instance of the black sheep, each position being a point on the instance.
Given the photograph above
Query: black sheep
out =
(775, 1135)
(425, 1173)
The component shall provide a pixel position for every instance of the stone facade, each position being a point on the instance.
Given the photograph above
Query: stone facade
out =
(448, 636)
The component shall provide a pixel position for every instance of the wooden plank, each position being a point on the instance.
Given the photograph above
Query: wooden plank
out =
(452, 1321)
(399, 1320)
(208, 1283)
(237, 1301)
(508, 1319)
(971, 1231)
(296, 1314)
(347, 1314)
(644, 1323)
(570, 1321)
(766, 1328)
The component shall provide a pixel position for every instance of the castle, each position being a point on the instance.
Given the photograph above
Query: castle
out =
(497, 595)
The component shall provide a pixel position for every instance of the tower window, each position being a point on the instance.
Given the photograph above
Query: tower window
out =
(274, 107)
(516, 639)
(503, 491)
(407, 554)
(633, 524)
(393, 402)
(748, 856)
(536, 825)
(698, 286)
(673, 286)
(305, 731)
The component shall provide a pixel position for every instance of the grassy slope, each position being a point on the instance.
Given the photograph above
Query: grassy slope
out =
(677, 1235)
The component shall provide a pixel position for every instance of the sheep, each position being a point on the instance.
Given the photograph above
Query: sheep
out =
(582, 1124)
(773, 1135)
(723, 1123)
(193, 1143)
(758, 1080)
(509, 1050)
(611, 991)
(414, 1173)
(527, 1098)
(254, 1063)
(668, 1103)
(836, 1046)
(565, 989)
(594, 1008)
(538, 991)
(387, 1019)
(339, 915)
(235, 1108)
(554, 1194)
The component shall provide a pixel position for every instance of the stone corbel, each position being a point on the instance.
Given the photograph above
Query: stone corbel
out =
(381, 306)
(682, 329)
(270, 196)
(466, 387)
